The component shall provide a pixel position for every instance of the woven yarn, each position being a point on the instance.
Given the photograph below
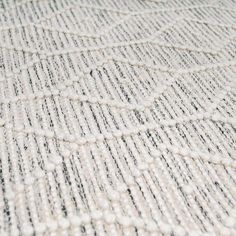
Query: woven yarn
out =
(118, 117)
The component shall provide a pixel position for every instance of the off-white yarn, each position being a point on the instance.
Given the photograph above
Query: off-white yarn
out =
(117, 117)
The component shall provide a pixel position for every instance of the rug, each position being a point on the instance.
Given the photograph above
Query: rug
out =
(118, 117)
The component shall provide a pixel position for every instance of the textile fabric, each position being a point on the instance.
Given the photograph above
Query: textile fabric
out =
(118, 117)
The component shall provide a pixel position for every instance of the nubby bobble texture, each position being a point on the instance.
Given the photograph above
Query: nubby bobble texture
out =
(117, 117)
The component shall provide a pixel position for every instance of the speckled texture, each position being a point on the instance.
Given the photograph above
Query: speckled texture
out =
(117, 117)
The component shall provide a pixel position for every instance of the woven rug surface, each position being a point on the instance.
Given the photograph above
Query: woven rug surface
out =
(118, 117)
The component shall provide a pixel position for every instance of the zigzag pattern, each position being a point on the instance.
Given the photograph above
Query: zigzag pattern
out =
(118, 117)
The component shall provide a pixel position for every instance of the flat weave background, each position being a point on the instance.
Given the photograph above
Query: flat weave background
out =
(118, 117)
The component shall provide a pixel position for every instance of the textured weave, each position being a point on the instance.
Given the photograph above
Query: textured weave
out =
(118, 117)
